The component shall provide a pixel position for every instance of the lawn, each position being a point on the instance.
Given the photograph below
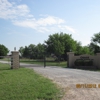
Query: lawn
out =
(25, 84)
(48, 62)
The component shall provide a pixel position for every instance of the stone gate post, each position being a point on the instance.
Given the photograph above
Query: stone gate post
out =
(98, 60)
(15, 60)
(70, 59)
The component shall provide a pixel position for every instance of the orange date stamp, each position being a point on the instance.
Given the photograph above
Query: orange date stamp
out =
(87, 85)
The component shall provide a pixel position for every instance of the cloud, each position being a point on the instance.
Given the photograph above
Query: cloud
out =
(12, 11)
(20, 15)
(65, 27)
(70, 29)
(42, 24)
(50, 20)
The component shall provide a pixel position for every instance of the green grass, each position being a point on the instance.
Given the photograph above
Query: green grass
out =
(25, 84)
(48, 62)
(5, 59)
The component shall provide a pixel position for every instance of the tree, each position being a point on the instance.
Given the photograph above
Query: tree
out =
(86, 50)
(95, 43)
(26, 52)
(96, 38)
(32, 49)
(39, 50)
(82, 49)
(94, 48)
(55, 44)
(78, 50)
(3, 50)
(59, 44)
(21, 50)
(36, 51)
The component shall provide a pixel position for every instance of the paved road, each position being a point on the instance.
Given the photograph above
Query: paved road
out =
(68, 78)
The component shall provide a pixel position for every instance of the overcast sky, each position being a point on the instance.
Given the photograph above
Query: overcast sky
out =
(24, 22)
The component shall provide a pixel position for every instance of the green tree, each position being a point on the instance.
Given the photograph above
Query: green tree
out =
(82, 49)
(86, 50)
(78, 49)
(55, 44)
(95, 43)
(59, 44)
(39, 50)
(32, 50)
(3, 50)
(96, 38)
(26, 52)
(94, 48)
(21, 50)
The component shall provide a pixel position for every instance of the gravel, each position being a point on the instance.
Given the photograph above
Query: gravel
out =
(68, 79)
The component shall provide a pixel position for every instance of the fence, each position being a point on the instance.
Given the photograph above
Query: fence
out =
(14, 59)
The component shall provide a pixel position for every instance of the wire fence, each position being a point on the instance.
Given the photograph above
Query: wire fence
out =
(5, 59)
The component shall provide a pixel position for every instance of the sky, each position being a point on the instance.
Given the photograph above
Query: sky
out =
(25, 22)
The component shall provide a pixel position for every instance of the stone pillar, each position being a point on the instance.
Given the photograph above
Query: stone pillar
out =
(15, 60)
(98, 60)
(70, 59)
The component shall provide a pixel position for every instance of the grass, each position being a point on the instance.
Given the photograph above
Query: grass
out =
(25, 84)
(5, 59)
(48, 62)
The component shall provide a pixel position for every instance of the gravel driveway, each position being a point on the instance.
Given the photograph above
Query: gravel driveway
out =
(68, 78)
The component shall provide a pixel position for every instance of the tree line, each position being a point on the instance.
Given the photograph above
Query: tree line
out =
(3, 50)
(57, 45)
(32, 51)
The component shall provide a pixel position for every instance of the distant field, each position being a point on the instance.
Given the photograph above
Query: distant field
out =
(6, 59)
(48, 62)
(25, 84)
